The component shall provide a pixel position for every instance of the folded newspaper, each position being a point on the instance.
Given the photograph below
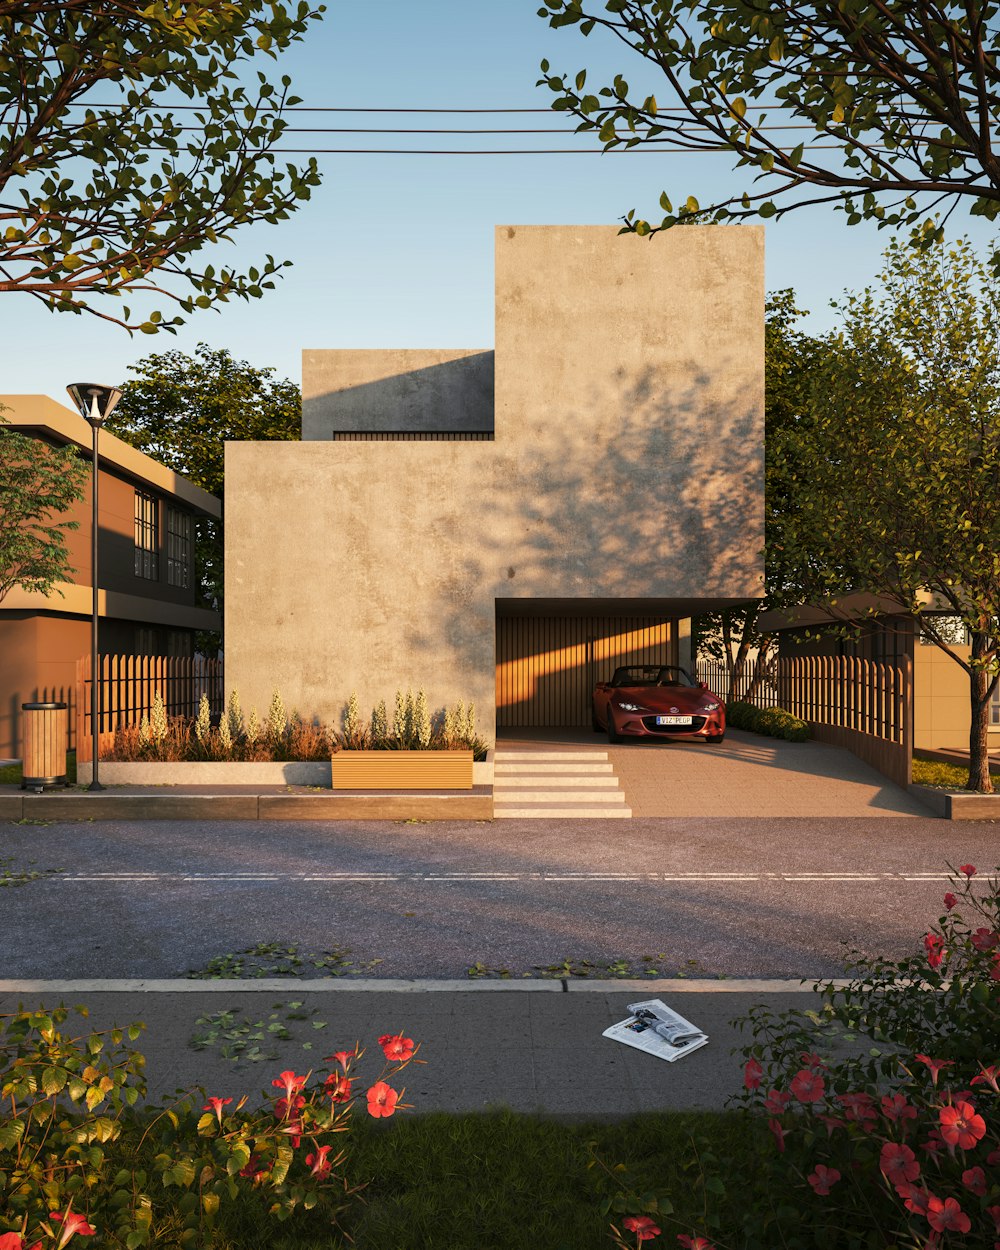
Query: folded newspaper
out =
(657, 1029)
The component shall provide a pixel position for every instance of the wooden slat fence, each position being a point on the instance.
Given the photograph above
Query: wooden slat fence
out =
(128, 684)
(716, 677)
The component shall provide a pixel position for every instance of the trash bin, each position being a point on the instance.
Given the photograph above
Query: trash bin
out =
(46, 738)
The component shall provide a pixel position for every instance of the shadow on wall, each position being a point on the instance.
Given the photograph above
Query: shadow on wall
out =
(454, 395)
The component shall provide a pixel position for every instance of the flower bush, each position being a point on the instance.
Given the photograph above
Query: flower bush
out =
(77, 1158)
(878, 1115)
(413, 727)
(775, 722)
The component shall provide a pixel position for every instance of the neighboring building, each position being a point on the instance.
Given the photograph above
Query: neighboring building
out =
(941, 711)
(507, 525)
(145, 567)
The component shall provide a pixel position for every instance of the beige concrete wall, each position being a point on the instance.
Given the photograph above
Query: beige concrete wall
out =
(941, 701)
(628, 464)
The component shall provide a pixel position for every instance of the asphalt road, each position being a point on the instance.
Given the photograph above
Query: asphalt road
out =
(709, 897)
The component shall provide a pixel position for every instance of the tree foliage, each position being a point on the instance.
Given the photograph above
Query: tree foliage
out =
(896, 469)
(38, 482)
(181, 409)
(107, 187)
(886, 108)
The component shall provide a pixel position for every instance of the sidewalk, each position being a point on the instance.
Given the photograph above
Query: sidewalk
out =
(532, 1046)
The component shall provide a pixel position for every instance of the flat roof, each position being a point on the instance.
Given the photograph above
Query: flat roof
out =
(39, 412)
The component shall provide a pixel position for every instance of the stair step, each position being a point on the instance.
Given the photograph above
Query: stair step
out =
(550, 755)
(607, 813)
(506, 769)
(508, 781)
(549, 796)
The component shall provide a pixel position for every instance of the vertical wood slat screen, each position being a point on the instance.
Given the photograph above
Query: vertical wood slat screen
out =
(129, 684)
(412, 436)
(547, 666)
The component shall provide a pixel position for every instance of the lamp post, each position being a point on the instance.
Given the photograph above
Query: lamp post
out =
(94, 403)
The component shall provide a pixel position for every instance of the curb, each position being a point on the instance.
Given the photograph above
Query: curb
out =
(372, 985)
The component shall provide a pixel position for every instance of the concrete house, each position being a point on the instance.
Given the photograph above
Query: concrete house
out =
(145, 562)
(508, 524)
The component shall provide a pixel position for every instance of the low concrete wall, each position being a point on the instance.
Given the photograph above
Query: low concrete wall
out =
(958, 804)
(292, 773)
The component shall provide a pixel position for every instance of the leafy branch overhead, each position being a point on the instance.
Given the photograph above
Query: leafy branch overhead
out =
(107, 187)
(886, 108)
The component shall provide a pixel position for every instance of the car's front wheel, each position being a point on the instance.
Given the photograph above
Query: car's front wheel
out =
(715, 739)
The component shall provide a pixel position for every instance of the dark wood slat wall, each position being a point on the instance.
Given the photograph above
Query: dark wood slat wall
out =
(547, 665)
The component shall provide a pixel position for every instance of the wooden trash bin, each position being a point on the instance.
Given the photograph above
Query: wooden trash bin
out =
(46, 738)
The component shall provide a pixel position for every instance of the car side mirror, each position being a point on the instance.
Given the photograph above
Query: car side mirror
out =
(703, 685)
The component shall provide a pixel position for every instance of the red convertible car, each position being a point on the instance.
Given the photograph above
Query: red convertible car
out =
(656, 701)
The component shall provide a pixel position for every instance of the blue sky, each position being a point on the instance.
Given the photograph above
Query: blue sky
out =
(397, 251)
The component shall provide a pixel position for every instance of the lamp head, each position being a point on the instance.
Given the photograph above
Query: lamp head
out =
(94, 402)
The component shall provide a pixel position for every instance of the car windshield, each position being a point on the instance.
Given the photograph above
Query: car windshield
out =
(651, 675)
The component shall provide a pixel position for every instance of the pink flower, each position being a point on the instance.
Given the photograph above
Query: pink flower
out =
(808, 1086)
(974, 1181)
(694, 1243)
(72, 1224)
(779, 1133)
(950, 900)
(289, 1082)
(968, 869)
(752, 1073)
(988, 1076)
(947, 1216)
(396, 1047)
(896, 1108)
(216, 1105)
(381, 1100)
(961, 1127)
(935, 1065)
(934, 946)
(898, 1163)
(822, 1179)
(776, 1101)
(642, 1226)
(338, 1087)
(318, 1164)
(985, 940)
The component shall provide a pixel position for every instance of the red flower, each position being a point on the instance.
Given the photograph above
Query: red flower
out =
(343, 1057)
(776, 1101)
(289, 1082)
(71, 1225)
(293, 1130)
(808, 1086)
(968, 869)
(896, 1108)
(823, 1178)
(12, 1241)
(950, 900)
(994, 1214)
(898, 1163)
(779, 1133)
(974, 1181)
(860, 1108)
(396, 1047)
(216, 1105)
(318, 1163)
(995, 970)
(933, 1145)
(381, 1100)
(988, 1076)
(752, 1073)
(985, 940)
(993, 1160)
(694, 1243)
(810, 1059)
(935, 1065)
(642, 1226)
(914, 1198)
(960, 1126)
(338, 1087)
(934, 946)
(283, 1106)
(947, 1216)
(831, 1121)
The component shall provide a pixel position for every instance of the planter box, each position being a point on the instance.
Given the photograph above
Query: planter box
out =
(958, 804)
(402, 770)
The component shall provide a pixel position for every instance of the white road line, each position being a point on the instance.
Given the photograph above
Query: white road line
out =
(608, 878)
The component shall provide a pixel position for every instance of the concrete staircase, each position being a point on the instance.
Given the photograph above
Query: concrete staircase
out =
(555, 782)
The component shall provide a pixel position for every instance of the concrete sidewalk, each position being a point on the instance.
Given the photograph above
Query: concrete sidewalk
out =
(532, 1046)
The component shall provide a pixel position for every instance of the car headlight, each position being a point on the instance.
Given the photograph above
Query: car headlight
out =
(631, 707)
(710, 707)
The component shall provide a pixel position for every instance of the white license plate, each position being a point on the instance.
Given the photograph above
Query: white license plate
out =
(673, 720)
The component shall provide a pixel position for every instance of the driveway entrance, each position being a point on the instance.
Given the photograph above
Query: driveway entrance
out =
(747, 775)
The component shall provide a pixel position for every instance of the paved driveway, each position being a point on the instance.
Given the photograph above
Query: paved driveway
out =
(748, 775)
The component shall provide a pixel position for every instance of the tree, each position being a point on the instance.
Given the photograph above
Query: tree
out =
(181, 410)
(37, 483)
(123, 195)
(791, 360)
(896, 468)
(899, 101)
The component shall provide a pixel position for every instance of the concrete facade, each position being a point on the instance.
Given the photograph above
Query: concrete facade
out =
(625, 475)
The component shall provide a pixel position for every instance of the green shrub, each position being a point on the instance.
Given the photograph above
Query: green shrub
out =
(774, 722)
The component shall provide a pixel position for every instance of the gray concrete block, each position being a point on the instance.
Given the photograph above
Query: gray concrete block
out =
(142, 806)
(376, 806)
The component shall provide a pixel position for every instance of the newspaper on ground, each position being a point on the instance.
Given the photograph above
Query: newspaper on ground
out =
(657, 1029)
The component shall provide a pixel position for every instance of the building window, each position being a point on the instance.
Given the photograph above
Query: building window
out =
(995, 705)
(147, 537)
(178, 548)
(145, 640)
(180, 642)
(951, 629)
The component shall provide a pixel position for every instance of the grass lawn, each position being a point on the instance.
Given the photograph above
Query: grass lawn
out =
(10, 774)
(944, 776)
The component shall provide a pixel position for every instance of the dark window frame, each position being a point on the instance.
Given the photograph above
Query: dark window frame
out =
(180, 528)
(147, 536)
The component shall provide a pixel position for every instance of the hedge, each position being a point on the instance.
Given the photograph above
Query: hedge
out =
(772, 721)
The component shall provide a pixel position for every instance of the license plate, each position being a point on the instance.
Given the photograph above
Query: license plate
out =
(673, 720)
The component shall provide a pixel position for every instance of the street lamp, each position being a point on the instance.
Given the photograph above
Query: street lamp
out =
(94, 403)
